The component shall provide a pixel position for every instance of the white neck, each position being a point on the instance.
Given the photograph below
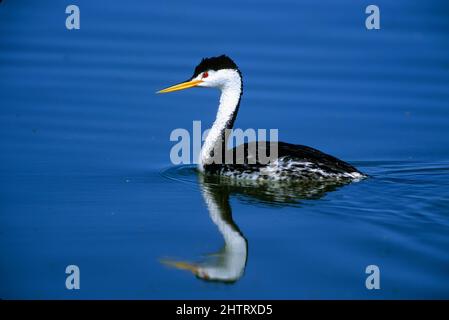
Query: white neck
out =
(230, 96)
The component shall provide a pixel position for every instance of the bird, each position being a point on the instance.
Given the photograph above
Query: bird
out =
(287, 162)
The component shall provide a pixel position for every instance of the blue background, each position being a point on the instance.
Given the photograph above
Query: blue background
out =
(85, 173)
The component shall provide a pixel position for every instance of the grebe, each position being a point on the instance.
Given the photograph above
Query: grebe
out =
(292, 162)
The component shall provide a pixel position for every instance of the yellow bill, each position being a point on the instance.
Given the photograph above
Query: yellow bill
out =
(181, 86)
(182, 265)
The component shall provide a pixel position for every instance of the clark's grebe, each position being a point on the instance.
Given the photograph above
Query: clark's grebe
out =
(292, 162)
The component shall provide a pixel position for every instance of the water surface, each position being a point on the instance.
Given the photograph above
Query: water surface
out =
(86, 177)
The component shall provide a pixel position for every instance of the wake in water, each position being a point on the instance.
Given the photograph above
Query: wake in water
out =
(268, 192)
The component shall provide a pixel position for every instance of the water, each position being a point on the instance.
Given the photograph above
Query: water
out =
(86, 177)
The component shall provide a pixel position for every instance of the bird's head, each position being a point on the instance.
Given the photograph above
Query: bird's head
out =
(216, 72)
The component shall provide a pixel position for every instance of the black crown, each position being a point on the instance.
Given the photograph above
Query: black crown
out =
(214, 63)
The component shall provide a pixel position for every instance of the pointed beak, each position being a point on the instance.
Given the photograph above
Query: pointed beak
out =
(182, 265)
(181, 86)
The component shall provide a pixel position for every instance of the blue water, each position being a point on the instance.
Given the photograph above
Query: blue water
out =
(86, 177)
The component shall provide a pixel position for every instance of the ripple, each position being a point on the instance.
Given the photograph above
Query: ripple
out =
(272, 193)
(396, 191)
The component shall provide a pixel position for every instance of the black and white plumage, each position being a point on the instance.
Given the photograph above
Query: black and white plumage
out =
(292, 162)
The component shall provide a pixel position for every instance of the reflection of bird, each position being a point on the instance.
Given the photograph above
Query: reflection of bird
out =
(290, 161)
(228, 264)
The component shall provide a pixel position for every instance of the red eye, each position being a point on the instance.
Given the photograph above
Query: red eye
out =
(205, 75)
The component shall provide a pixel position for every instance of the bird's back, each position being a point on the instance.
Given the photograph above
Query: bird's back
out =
(282, 161)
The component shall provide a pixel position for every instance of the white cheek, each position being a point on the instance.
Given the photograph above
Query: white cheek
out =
(210, 82)
(215, 82)
(218, 80)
